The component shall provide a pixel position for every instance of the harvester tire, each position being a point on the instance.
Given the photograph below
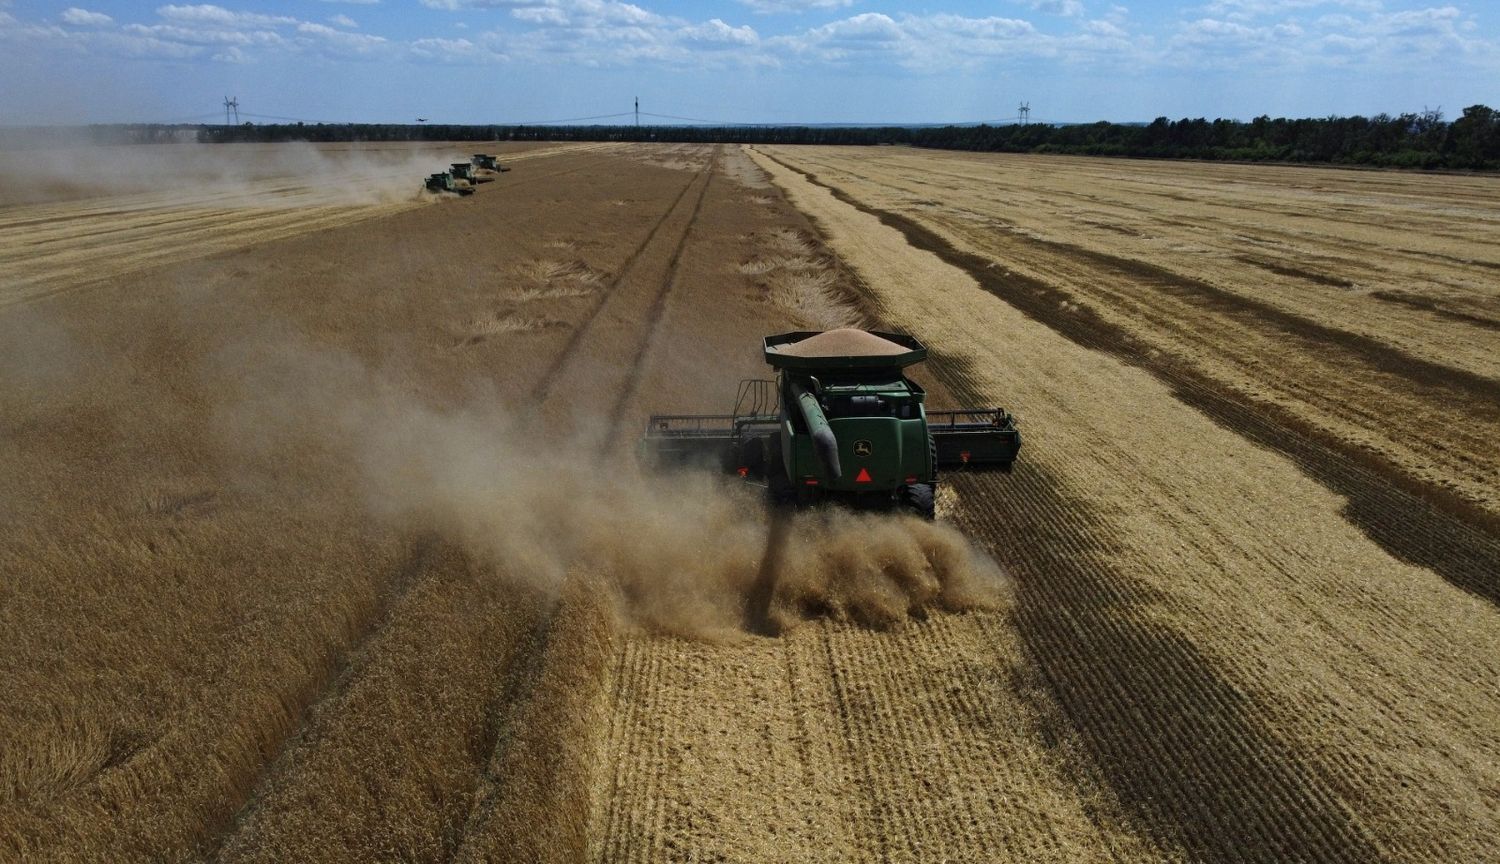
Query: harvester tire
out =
(918, 497)
(753, 458)
(779, 488)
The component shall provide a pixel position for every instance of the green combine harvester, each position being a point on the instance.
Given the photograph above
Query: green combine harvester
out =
(463, 172)
(445, 182)
(841, 422)
(486, 162)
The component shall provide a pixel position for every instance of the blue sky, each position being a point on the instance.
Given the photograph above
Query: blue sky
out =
(477, 61)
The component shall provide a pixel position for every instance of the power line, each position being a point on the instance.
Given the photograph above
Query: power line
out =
(233, 114)
(566, 120)
(714, 122)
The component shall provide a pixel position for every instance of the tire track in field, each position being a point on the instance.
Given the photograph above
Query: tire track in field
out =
(543, 388)
(509, 732)
(523, 651)
(69, 247)
(1179, 744)
(832, 743)
(424, 547)
(1360, 679)
(1416, 521)
(1210, 236)
(657, 313)
(1459, 388)
(519, 738)
(534, 800)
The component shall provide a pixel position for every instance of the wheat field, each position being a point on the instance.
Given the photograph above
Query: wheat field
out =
(325, 540)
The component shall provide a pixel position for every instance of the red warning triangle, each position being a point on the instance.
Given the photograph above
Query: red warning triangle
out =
(863, 476)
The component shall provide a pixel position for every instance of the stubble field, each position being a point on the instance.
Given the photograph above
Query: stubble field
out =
(325, 542)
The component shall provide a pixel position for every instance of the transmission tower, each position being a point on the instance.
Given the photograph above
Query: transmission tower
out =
(1024, 112)
(637, 112)
(231, 107)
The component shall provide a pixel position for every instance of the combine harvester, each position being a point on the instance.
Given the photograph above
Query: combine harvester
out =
(487, 167)
(841, 422)
(446, 182)
(463, 172)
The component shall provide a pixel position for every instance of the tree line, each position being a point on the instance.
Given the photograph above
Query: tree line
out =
(1418, 140)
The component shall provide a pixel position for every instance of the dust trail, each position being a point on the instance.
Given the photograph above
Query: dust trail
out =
(687, 553)
(219, 176)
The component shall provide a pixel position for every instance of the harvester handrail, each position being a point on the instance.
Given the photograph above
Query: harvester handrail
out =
(690, 424)
(704, 425)
(950, 416)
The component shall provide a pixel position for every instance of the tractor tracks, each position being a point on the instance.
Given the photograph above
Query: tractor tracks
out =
(657, 312)
(1416, 521)
(341, 672)
(1236, 668)
(532, 800)
(632, 298)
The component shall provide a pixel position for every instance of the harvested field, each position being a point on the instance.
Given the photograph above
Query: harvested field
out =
(87, 219)
(326, 543)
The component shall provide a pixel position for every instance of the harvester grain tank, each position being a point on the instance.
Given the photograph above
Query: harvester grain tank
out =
(840, 422)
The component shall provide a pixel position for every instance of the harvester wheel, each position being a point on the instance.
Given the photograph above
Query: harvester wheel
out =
(753, 457)
(918, 497)
(782, 493)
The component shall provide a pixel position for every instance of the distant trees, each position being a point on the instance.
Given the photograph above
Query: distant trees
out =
(1422, 140)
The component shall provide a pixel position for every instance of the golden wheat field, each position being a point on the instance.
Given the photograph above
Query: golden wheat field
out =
(324, 538)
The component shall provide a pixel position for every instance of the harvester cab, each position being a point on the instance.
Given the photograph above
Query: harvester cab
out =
(487, 162)
(444, 182)
(841, 422)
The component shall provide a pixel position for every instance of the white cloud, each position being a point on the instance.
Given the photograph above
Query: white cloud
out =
(1066, 8)
(188, 36)
(326, 41)
(203, 31)
(483, 4)
(84, 18)
(1358, 34)
(1246, 9)
(767, 7)
(559, 12)
(924, 42)
(594, 33)
(210, 14)
(869, 28)
(453, 51)
(716, 32)
(1105, 28)
(344, 21)
(541, 15)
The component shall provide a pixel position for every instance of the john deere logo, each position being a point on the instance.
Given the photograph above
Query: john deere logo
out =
(862, 448)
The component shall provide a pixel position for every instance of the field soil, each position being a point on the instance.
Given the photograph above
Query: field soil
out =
(325, 539)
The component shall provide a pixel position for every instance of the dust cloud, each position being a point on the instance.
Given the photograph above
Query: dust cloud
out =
(295, 174)
(684, 552)
(37, 354)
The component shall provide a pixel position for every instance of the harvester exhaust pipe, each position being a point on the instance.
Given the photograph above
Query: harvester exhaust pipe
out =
(824, 442)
